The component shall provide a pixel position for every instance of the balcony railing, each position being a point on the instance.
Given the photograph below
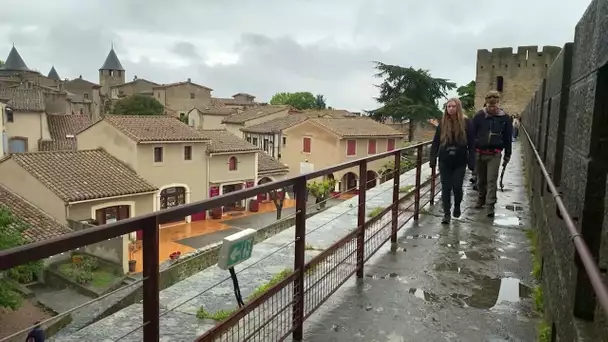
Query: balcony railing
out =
(280, 311)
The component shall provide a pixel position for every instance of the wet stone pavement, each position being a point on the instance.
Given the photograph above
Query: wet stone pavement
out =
(469, 281)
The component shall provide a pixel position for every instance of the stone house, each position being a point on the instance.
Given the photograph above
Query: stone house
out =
(240, 101)
(3, 135)
(138, 86)
(234, 123)
(161, 149)
(268, 136)
(26, 120)
(232, 164)
(14, 71)
(81, 91)
(319, 143)
(210, 117)
(270, 169)
(179, 98)
(75, 186)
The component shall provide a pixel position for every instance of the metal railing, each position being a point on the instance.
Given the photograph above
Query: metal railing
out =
(283, 308)
(589, 263)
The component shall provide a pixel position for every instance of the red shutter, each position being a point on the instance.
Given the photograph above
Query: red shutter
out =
(390, 145)
(351, 147)
(306, 145)
(371, 146)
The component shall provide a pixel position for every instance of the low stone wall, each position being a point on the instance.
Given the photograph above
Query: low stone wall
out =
(114, 250)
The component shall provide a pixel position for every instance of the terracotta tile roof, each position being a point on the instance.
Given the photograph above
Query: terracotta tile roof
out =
(222, 111)
(254, 113)
(145, 128)
(224, 141)
(235, 102)
(82, 175)
(216, 103)
(23, 100)
(334, 113)
(276, 125)
(40, 225)
(137, 80)
(357, 127)
(63, 129)
(175, 84)
(57, 145)
(268, 165)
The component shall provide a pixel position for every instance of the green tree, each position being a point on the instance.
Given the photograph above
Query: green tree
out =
(320, 102)
(321, 191)
(11, 230)
(299, 100)
(466, 94)
(138, 105)
(1, 63)
(408, 94)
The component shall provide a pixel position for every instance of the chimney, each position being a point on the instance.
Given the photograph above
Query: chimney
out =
(189, 80)
(134, 77)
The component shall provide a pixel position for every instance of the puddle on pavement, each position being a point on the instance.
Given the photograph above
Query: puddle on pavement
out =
(507, 221)
(422, 236)
(491, 293)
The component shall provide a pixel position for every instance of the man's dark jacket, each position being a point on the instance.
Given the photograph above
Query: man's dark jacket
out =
(493, 132)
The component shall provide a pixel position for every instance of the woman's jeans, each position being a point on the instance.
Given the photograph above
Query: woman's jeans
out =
(451, 181)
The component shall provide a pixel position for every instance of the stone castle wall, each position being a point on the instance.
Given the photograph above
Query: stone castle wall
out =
(567, 119)
(521, 73)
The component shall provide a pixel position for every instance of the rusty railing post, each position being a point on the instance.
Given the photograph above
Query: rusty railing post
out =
(151, 288)
(299, 259)
(395, 211)
(433, 179)
(418, 176)
(361, 217)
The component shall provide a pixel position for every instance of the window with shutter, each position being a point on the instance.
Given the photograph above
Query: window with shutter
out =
(390, 145)
(306, 145)
(371, 146)
(351, 147)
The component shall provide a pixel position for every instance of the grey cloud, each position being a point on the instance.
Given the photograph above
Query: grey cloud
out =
(342, 38)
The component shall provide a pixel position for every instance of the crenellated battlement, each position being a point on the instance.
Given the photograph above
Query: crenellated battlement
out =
(525, 56)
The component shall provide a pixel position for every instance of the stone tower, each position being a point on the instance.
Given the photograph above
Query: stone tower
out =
(515, 76)
(111, 73)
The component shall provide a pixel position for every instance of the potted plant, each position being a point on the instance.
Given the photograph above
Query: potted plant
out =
(175, 255)
(132, 261)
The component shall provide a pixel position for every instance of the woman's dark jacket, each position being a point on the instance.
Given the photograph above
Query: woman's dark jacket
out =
(455, 154)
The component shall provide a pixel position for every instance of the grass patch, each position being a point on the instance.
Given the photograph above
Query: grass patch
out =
(309, 247)
(536, 258)
(260, 290)
(543, 331)
(539, 301)
(86, 270)
(220, 315)
(406, 188)
(375, 212)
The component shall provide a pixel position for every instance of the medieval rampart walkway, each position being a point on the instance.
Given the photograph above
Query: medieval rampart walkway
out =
(467, 282)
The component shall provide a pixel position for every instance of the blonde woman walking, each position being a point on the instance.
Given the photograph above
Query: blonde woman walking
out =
(454, 146)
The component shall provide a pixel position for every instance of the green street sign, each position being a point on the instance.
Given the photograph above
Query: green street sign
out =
(236, 248)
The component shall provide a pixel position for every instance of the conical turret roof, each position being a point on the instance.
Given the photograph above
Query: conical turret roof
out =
(53, 74)
(112, 62)
(14, 61)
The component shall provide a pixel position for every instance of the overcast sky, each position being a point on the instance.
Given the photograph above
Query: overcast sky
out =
(266, 46)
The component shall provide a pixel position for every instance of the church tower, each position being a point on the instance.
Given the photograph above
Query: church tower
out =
(111, 73)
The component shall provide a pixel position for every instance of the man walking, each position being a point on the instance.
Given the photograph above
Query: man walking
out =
(493, 134)
(515, 127)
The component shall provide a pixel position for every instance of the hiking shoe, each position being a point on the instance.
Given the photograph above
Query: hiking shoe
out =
(456, 212)
(446, 219)
(490, 210)
(480, 203)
